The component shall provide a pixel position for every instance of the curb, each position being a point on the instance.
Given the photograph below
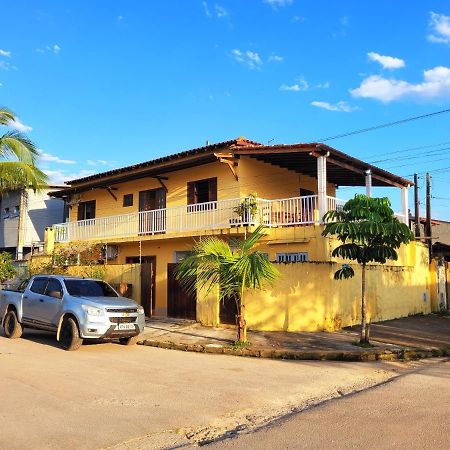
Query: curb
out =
(404, 354)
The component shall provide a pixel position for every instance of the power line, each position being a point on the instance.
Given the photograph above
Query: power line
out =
(384, 125)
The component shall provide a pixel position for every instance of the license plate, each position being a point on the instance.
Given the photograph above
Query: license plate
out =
(125, 326)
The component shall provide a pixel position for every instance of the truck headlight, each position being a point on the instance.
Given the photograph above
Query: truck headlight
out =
(93, 311)
(140, 310)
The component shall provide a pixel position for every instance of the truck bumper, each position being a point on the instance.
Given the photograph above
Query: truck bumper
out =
(106, 330)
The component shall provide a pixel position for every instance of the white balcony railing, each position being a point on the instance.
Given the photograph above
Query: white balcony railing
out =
(212, 215)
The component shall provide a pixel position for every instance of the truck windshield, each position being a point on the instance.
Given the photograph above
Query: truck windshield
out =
(89, 288)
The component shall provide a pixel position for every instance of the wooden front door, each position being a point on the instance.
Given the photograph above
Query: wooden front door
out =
(148, 300)
(228, 311)
(180, 303)
(152, 204)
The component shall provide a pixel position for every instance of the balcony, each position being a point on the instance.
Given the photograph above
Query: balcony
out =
(203, 216)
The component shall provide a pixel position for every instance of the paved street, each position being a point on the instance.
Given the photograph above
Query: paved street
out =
(141, 397)
(410, 412)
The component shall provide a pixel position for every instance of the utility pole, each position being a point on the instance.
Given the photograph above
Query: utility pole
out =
(428, 218)
(416, 207)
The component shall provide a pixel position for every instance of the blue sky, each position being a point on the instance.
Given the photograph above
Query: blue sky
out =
(102, 84)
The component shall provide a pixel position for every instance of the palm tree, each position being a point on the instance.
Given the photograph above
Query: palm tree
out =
(18, 157)
(232, 266)
(369, 232)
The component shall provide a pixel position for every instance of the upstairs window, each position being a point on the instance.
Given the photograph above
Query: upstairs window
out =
(86, 210)
(5, 213)
(128, 200)
(202, 191)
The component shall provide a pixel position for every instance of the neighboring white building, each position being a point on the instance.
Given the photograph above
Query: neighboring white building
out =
(24, 215)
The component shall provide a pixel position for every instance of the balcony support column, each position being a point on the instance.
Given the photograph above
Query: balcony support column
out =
(322, 186)
(369, 183)
(405, 208)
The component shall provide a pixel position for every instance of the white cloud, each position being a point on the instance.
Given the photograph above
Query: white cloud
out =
(119, 19)
(275, 58)
(435, 84)
(388, 62)
(19, 126)
(300, 85)
(5, 65)
(220, 11)
(60, 176)
(325, 85)
(206, 9)
(339, 106)
(55, 48)
(278, 3)
(296, 19)
(47, 157)
(6, 53)
(248, 58)
(343, 21)
(440, 28)
(100, 162)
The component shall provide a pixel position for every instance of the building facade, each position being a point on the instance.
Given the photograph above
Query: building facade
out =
(24, 216)
(151, 213)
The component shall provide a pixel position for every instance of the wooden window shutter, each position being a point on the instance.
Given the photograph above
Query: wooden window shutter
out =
(213, 189)
(191, 192)
(93, 205)
(80, 211)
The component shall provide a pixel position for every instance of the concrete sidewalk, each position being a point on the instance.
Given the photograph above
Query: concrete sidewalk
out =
(408, 338)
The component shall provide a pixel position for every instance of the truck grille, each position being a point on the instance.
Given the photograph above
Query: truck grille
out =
(121, 310)
(122, 319)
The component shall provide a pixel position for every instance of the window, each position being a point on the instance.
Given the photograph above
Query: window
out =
(292, 257)
(38, 285)
(202, 191)
(5, 213)
(89, 288)
(53, 286)
(180, 255)
(128, 200)
(15, 211)
(86, 210)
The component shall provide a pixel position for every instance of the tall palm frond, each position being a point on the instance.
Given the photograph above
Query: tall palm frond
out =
(230, 266)
(18, 156)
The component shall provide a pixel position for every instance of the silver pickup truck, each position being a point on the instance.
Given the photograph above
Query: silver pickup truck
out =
(74, 308)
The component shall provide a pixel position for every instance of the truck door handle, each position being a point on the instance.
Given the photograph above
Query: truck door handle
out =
(41, 299)
(25, 297)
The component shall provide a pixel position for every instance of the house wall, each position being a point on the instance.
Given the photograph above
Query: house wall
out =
(307, 298)
(41, 211)
(268, 181)
(273, 182)
(9, 226)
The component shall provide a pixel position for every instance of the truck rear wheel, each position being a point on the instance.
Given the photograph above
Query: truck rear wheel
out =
(12, 326)
(70, 336)
(129, 341)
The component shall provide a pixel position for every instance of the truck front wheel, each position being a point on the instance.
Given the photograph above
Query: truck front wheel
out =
(12, 326)
(70, 337)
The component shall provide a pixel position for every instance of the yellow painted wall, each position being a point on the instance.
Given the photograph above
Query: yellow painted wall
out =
(272, 182)
(307, 298)
(227, 187)
(268, 181)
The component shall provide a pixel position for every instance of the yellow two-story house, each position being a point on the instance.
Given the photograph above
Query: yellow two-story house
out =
(150, 213)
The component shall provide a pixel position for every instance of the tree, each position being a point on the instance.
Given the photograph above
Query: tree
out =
(18, 157)
(7, 269)
(232, 266)
(369, 232)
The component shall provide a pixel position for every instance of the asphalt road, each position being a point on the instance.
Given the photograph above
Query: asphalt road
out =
(410, 412)
(108, 395)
